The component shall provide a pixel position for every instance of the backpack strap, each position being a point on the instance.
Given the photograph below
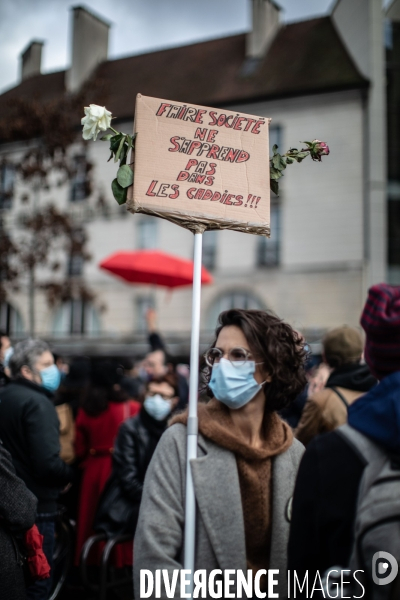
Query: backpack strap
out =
(370, 453)
(343, 399)
(362, 445)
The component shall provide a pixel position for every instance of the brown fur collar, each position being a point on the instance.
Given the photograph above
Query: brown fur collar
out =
(216, 424)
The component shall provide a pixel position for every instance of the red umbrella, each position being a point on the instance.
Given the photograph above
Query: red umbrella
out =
(154, 267)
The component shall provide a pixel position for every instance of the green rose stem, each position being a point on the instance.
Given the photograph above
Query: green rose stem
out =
(278, 162)
(98, 118)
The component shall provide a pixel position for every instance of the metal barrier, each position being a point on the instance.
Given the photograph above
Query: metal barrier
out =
(104, 583)
(63, 551)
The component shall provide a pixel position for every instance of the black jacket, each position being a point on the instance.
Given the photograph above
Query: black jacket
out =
(324, 505)
(354, 376)
(29, 428)
(18, 512)
(134, 447)
(3, 377)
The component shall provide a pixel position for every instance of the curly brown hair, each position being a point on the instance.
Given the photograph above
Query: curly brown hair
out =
(278, 345)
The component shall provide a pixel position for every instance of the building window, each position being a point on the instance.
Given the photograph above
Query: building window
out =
(76, 317)
(143, 303)
(388, 34)
(394, 239)
(80, 182)
(147, 233)
(10, 319)
(76, 258)
(7, 179)
(268, 249)
(234, 299)
(392, 39)
(75, 265)
(209, 249)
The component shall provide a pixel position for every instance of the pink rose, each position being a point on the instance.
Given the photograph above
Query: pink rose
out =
(318, 149)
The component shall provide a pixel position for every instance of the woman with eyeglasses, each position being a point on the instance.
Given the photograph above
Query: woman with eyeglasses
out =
(246, 463)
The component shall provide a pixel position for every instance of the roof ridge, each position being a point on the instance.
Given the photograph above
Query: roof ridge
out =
(166, 49)
(210, 72)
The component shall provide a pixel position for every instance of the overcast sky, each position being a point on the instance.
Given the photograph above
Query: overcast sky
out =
(138, 25)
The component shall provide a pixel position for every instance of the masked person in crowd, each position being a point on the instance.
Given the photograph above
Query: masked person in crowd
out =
(29, 429)
(327, 487)
(246, 461)
(104, 408)
(134, 447)
(156, 364)
(6, 351)
(349, 379)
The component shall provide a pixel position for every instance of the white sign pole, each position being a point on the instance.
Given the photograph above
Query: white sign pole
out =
(192, 424)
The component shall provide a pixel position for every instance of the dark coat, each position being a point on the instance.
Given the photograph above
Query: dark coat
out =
(325, 497)
(17, 514)
(29, 428)
(324, 505)
(3, 377)
(134, 447)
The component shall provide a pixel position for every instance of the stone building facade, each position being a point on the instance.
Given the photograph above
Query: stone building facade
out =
(322, 78)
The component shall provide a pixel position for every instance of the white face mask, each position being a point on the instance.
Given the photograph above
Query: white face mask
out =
(157, 407)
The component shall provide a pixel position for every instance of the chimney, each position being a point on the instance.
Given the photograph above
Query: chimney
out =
(89, 46)
(265, 20)
(31, 59)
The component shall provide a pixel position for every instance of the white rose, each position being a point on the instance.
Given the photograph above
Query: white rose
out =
(96, 119)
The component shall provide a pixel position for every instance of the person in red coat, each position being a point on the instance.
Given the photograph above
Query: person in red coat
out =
(104, 408)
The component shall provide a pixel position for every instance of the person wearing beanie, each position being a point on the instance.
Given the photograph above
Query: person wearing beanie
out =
(326, 491)
(349, 379)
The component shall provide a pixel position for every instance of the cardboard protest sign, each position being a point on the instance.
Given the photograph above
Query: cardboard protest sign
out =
(200, 167)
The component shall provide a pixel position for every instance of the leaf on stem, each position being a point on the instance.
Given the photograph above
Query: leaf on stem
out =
(125, 176)
(278, 162)
(119, 192)
(274, 185)
(121, 144)
(275, 173)
(114, 142)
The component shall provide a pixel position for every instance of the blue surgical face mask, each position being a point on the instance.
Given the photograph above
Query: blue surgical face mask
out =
(7, 355)
(50, 378)
(157, 407)
(234, 385)
(143, 375)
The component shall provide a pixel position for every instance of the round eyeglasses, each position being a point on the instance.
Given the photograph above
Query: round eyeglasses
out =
(237, 356)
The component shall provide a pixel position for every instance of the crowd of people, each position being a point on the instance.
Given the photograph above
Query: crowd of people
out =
(107, 439)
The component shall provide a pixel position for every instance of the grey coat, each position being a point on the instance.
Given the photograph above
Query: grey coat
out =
(220, 537)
